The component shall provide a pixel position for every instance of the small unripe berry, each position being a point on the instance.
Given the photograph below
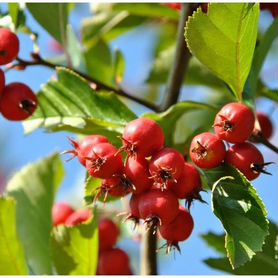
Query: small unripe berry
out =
(108, 234)
(78, 217)
(265, 124)
(18, 102)
(60, 213)
(142, 137)
(2, 81)
(9, 46)
(234, 123)
(207, 150)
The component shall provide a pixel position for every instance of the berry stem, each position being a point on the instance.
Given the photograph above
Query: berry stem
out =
(259, 138)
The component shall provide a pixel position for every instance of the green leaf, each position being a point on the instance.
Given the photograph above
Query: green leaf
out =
(12, 260)
(119, 67)
(263, 263)
(75, 250)
(69, 103)
(168, 119)
(217, 242)
(242, 213)
(53, 17)
(17, 15)
(224, 40)
(34, 188)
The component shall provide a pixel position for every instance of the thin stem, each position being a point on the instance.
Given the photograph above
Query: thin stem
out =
(259, 138)
(181, 60)
(38, 61)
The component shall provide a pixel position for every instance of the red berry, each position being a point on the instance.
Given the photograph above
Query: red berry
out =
(113, 262)
(265, 124)
(204, 7)
(103, 161)
(272, 7)
(9, 46)
(142, 137)
(178, 230)
(134, 214)
(175, 6)
(2, 81)
(78, 217)
(234, 123)
(166, 166)
(207, 150)
(247, 158)
(60, 212)
(137, 171)
(157, 207)
(18, 102)
(189, 184)
(108, 234)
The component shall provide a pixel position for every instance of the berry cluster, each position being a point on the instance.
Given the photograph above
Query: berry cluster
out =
(156, 176)
(17, 100)
(112, 260)
(234, 123)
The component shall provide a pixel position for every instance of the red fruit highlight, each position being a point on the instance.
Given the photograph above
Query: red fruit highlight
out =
(113, 262)
(207, 150)
(247, 158)
(78, 217)
(60, 213)
(265, 124)
(103, 161)
(142, 137)
(9, 46)
(137, 171)
(108, 234)
(178, 230)
(166, 166)
(18, 102)
(157, 207)
(2, 81)
(234, 123)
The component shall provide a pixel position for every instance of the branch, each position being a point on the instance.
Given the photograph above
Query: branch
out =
(181, 60)
(259, 138)
(38, 61)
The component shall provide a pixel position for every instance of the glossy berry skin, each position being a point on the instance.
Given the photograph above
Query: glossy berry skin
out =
(189, 183)
(9, 46)
(137, 170)
(179, 229)
(234, 123)
(142, 137)
(103, 161)
(272, 7)
(78, 217)
(207, 150)
(244, 157)
(265, 124)
(166, 166)
(134, 206)
(2, 81)
(113, 262)
(108, 234)
(60, 213)
(18, 102)
(158, 206)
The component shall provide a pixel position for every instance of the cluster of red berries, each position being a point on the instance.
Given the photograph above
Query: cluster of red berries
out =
(156, 176)
(17, 100)
(112, 260)
(234, 123)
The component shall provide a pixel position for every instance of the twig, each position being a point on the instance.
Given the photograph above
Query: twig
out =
(259, 138)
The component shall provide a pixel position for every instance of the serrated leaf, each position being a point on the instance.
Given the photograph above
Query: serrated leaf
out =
(75, 249)
(224, 40)
(34, 188)
(69, 103)
(12, 260)
(243, 215)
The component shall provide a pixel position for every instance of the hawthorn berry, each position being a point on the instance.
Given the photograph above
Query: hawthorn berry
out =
(234, 123)
(2, 81)
(134, 214)
(108, 234)
(265, 124)
(207, 150)
(246, 158)
(157, 207)
(103, 161)
(18, 102)
(78, 217)
(166, 166)
(113, 262)
(178, 230)
(142, 137)
(175, 6)
(137, 171)
(9, 46)
(60, 213)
